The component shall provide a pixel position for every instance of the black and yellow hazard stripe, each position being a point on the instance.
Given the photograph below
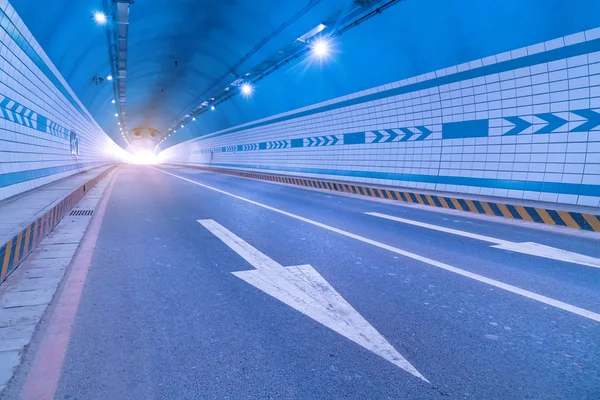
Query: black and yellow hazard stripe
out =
(576, 220)
(23, 243)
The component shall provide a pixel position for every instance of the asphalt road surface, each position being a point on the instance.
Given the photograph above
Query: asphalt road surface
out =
(207, 286)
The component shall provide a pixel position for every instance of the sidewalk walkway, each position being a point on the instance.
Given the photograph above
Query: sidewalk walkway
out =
(27, 218)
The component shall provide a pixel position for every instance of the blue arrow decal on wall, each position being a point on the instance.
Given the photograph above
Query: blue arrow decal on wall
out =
(424, 132)
(553, 121)
(593, 120)
(378, 137)
(310, 142)
(393, 135)
(334, 140)
(408, 134)
(520, 125)
(325, 140)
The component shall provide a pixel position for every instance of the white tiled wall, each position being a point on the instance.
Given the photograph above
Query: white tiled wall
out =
(24, 148)
(559, 166)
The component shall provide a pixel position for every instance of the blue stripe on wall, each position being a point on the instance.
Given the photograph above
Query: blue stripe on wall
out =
(16, 35)
(534, 59)
(13, 178)
(466, 129)
(42, 123)
(354, 138)
(549, 187)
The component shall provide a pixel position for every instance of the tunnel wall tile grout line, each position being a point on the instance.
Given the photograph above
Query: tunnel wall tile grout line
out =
(548, 216)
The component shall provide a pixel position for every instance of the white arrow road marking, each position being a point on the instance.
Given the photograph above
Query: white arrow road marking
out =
(531, 248)
(305, 290)
(426, 260)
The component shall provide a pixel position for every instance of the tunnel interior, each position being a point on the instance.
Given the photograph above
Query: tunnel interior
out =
(309, 199)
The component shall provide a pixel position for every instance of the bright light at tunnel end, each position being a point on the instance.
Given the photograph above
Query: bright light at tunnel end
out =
(100, 17)
(144, 158)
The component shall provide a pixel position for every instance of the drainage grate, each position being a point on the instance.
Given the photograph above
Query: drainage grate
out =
(81, 213)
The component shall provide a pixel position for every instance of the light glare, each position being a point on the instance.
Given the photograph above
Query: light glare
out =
(320, 48)
(246, 89)
(212, 108)
(109, 78)
(100, 18)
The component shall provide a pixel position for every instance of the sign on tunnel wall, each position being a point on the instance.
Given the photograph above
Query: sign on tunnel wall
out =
(74, 141)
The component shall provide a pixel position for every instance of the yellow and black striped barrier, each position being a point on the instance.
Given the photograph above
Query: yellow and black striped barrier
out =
(19, 247)
(577, 220)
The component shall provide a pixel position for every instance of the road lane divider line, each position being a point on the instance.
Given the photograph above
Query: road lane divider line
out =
(480, 278)
(305, 290)
(529, 248)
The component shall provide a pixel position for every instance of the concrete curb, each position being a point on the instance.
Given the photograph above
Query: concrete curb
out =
(22, 244)
(571, 219)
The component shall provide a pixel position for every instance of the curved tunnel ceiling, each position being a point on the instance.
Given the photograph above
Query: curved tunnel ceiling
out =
(177, 48)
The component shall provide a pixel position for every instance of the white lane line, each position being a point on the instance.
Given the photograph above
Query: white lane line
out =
(480, 278)
(305, 290)
(530, 248)
(440, 228)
